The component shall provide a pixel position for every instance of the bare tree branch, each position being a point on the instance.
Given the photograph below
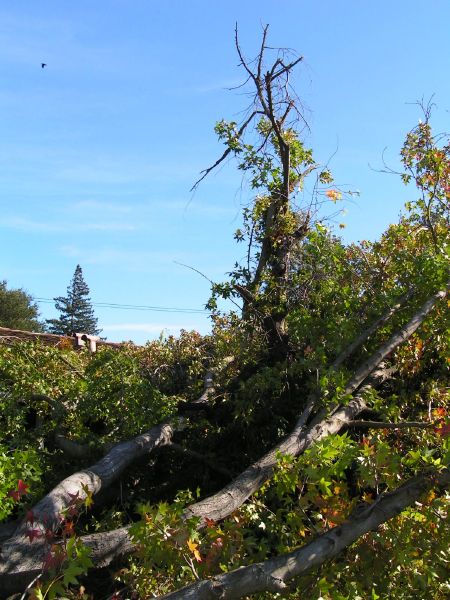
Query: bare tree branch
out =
(207, 171)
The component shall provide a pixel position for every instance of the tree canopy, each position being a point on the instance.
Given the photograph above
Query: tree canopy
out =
(18, 310)
(301, 449)
(76, 311)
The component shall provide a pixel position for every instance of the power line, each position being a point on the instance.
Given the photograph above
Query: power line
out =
(167, 309)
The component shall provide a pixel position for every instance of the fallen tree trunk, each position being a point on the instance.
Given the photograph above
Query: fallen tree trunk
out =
(22, 563)
(272, 575)
(233, 495)
(228, 499)
(100, 475)
(21, 560)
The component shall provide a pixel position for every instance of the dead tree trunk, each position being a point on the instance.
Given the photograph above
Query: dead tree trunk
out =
(276, 166)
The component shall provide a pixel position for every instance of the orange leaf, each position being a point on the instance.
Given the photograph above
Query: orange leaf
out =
(193, 547)
(443, 431)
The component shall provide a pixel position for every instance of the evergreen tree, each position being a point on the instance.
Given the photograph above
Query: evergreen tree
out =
(17, 310)
(76, 312)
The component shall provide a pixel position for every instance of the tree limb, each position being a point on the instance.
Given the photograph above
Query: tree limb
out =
(272, 575)
(71, 448)
(370, 330)
(21, 560)
(395, 340)
(22, 565)
(207, 171)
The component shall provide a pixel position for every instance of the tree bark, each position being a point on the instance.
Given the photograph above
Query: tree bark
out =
(21, 559)
(272, 575)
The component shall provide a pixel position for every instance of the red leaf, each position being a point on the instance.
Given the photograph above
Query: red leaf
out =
(33, 534)
(443, 430)
(14, 494)
(68, 528)
(54, 558)
(22, 487)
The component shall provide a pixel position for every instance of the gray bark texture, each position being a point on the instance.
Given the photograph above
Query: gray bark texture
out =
(272, 575)
(21, 560)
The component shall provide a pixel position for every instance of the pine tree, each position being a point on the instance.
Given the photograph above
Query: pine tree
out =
(76, 312)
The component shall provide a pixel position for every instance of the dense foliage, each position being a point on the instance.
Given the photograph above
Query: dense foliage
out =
(18, 310)
(94, 400)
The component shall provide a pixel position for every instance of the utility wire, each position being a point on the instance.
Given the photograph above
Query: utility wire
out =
(167, 309)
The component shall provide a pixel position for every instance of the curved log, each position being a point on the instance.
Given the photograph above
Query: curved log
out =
(272, 575)
(21, 560)
(71, 448)
(228, 499)
(232, 496)
(24, 562)
(99, 475)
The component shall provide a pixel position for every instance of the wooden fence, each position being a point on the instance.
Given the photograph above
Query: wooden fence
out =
(77, 341)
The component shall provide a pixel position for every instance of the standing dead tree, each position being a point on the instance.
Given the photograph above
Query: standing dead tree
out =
(277, 163)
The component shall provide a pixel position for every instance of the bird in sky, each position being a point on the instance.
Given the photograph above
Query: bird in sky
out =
(43, 65)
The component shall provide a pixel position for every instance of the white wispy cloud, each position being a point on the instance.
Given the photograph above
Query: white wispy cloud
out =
(140, 332)
(133, 260)
(34, 226)
(100, 206)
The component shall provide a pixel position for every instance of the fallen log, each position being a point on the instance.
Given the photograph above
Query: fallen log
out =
(21, 560)
(22, 563)
(272, 575)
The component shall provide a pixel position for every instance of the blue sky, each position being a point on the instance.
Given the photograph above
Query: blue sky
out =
(98, 150)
